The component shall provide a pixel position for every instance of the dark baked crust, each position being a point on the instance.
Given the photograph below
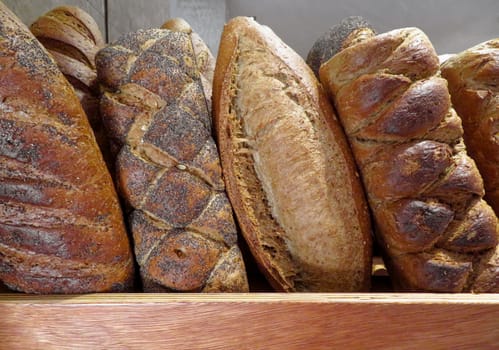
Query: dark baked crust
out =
(168, 170)
(473, 77)
(61, 225)
(424, 190)
(265, 170)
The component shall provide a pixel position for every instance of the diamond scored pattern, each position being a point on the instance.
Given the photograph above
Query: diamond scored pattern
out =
(169, 170)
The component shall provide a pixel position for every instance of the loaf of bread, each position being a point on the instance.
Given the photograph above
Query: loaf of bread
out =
(424, 191)
(61, 226)
(473, 78)
(288, 170)
(168, 169)
(73, 38)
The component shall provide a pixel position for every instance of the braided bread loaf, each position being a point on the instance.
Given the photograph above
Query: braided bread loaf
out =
(168, 169)
(425, 192)
(73, 38)
(473, 77)
(61, 226)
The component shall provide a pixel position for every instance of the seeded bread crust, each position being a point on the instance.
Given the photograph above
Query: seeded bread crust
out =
(61, 226)
(168, 169)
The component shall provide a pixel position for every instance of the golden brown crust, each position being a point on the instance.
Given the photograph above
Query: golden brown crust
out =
(62, 229)
(473, 77)
(263, 221)
(73, 38)
(72, 33)
(71, 26)
(425, 192)
(168, 169)
(177, 25)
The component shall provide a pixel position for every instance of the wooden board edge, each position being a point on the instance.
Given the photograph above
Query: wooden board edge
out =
(354, 298)
(249, 321)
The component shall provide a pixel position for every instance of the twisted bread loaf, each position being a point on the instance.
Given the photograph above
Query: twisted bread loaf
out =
(168, 168)
(288, 170)
(73, 38)
(61, 227)
(425, 192)
(473, 77)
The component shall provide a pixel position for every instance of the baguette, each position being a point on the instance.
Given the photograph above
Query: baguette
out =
(168, 170)
(473, 77)
(425, 192)
(61, 226)
(288, 170)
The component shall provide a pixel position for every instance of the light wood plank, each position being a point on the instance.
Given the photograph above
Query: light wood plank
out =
(250, 321)
(141, 298)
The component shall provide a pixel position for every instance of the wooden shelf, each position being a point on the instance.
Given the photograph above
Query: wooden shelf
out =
(250, 321)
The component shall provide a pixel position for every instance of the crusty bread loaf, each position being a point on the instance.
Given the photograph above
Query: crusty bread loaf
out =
(288, 170)
(73, 38)
(473, 77)
(424, 191)
(168, 169)
(61, 227)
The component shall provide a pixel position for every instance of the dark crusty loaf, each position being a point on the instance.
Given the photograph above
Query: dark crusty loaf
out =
(425, 192)
(168, 169)
(73, 38)
(61, 227)
(473, 77)
(288, 170)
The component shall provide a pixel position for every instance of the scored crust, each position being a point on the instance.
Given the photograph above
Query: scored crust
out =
(168, 170)
(61, 227)
(276, 187)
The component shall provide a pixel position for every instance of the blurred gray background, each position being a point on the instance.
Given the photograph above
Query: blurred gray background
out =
(452, 25)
